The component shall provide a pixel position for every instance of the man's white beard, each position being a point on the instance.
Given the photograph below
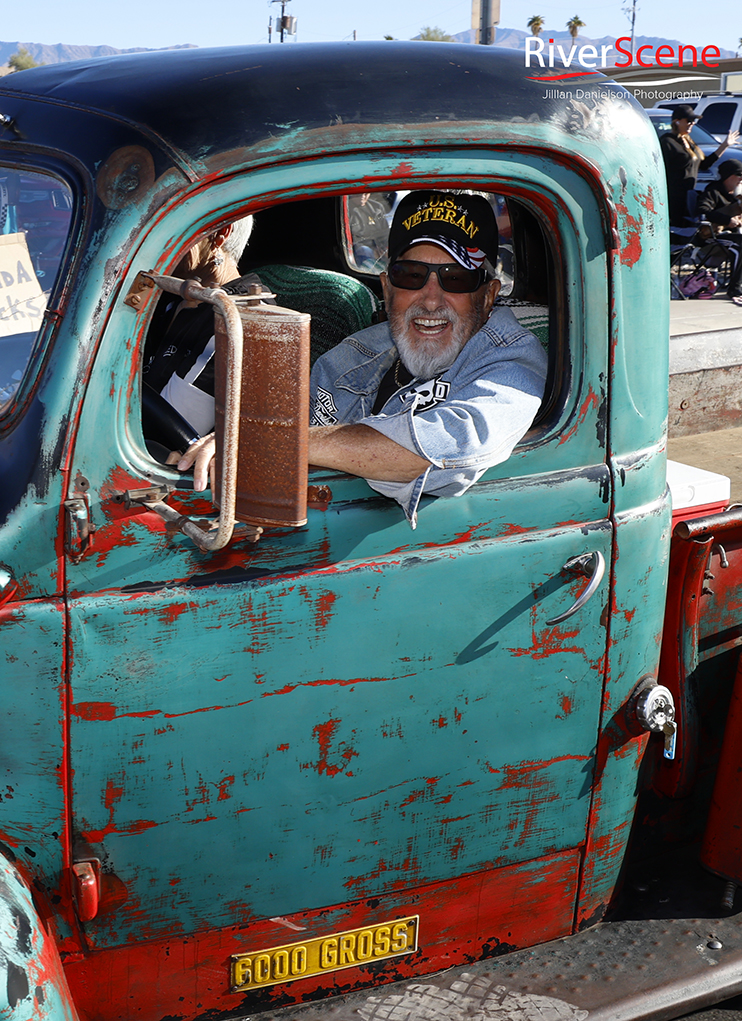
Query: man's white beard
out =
(426, 358)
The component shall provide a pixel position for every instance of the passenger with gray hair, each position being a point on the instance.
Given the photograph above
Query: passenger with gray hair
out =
(178, 358)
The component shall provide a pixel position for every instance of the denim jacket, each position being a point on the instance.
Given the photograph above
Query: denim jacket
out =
(464, 421)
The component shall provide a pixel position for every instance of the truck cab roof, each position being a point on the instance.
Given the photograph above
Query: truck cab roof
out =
(201, 104)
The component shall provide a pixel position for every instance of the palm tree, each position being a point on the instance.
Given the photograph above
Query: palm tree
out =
(574, 25)
(536, 24)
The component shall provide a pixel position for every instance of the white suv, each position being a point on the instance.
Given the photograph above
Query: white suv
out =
(721, 113)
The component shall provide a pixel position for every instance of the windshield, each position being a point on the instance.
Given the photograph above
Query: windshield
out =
(701, 136)
(35, 214)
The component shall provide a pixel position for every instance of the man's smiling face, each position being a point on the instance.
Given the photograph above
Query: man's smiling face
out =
(431, 326)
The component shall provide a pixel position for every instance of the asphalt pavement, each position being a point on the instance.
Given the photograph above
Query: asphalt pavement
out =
(731, 1010)
(707, 336)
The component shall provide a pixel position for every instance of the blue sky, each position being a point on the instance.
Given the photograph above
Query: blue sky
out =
(154, 23)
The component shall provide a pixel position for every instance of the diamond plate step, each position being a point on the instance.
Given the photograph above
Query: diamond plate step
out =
(618, 971)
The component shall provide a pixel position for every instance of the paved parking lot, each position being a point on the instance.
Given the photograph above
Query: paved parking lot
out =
(704, 334)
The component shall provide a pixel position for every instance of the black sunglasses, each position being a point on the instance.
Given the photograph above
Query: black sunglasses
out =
(413, 276)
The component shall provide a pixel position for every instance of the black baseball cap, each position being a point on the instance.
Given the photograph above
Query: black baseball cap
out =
(684, 112)
(463, 225)
(729, 167)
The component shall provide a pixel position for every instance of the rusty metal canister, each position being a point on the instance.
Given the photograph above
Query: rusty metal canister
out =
(722, 842)
(274, 413)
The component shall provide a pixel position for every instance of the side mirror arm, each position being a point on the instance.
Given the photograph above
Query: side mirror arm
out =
(217, 539)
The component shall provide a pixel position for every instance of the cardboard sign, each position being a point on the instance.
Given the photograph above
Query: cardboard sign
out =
(22, 301)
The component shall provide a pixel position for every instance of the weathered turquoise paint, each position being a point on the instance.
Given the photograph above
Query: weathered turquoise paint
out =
(350, 709)
(306, 771)
(33, 823)
(34, 987)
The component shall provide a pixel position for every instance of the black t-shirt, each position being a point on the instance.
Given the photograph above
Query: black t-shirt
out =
(394, 379)
(175, 343)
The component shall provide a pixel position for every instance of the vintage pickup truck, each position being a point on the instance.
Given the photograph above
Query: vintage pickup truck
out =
(350, 769)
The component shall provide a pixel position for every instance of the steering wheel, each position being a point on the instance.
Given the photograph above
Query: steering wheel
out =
(162, 424)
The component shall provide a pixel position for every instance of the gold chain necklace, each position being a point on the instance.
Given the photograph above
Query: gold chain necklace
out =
(396, 374)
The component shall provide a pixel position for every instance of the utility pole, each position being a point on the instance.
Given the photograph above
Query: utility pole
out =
(630, 12)
(485, 14)
(287, 23)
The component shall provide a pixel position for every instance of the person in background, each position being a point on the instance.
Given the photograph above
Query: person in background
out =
(721, 204)
(178, 354)
(683, 160)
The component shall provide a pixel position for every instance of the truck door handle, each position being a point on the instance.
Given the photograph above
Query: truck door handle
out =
(592, 565)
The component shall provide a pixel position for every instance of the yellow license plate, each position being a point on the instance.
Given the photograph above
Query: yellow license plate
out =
(324, 954)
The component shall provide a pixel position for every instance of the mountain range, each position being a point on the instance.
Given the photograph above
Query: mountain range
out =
(59, 53)
(509, 37)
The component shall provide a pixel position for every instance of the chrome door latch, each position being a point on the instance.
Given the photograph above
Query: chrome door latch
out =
(655, 711)
(78, 527)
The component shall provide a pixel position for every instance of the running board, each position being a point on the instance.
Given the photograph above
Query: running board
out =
(648, 970)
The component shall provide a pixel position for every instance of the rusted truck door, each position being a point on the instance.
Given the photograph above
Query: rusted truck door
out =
(351, 721)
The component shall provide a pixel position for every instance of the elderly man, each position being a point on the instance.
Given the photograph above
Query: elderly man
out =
(178, 357)
(721, 204)
(427, 401)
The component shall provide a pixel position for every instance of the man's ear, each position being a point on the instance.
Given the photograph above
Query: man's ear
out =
(220, 236)
(493, 289)
(386, 289)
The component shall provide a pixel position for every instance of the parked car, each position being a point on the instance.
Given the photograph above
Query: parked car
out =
(705, 141)
(721, 113)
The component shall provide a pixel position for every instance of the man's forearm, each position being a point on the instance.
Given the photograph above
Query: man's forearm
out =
(356, 449)
(361, 450)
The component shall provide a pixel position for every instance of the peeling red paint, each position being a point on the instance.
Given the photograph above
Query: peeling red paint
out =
(325, 601)
(456, 849)
(414, 796)
(224, 786)
(590, 401)
(463, 920)
(105, 711)
(170, 612)
(325, 733)
(114, 792)
(94, 710)
(513, 529)
(340, 682)
(567, 707)
(632, 228)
